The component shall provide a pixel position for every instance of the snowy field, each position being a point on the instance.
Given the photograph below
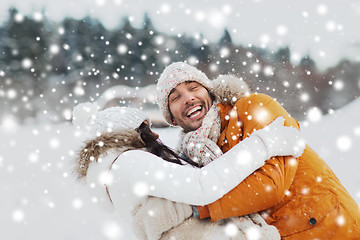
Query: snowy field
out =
(40, 200)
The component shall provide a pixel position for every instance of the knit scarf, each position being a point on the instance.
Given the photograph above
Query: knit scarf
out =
(200, 145)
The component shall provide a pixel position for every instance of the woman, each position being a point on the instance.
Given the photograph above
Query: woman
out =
(121, 142)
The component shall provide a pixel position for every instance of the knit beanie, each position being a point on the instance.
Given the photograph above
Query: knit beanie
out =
(173, 75)
(88, 118)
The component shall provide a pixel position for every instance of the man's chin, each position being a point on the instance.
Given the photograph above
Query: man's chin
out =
(193, 126)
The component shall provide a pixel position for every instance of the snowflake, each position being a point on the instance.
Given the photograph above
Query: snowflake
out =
(193, 60)
(357, 131)
(141, 189)
(77, 203)
(26, 63)
(79, 91)
(264, 39)
(54, 49)
(100, 2)
(122, 49)
(281, 30)
(33, 157)
(165, 8)
(51, 204)
(305, 14)
(9, 123)
(340, 220)
(54, 143)
(253, 233)
(226, 9)
(231, 230)
(38, 16)
(61, 30)
(159, 175)
(268, 71)
(213, 67)
(314, 114)
(338, 85)
(217, 18)
(344, 143)
(256, 67)
(200, 16)
(19, 17)
(331, 26)
(304, 97)
(106, 178)
(78, 58)
(11, 93)
(322, 9)
(295, 57)
(224, 52)
(112, 230)
(244, 157)
(18, 215)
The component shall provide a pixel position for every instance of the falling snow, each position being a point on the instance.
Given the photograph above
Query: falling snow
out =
(36, 180)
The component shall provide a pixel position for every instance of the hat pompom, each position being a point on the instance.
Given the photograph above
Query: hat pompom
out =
(228, 89)
(83, 112)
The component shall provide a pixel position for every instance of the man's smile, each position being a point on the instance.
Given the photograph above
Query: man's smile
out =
(194, 111)
(188, 104)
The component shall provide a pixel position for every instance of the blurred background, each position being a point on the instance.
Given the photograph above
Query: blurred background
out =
(56, 54)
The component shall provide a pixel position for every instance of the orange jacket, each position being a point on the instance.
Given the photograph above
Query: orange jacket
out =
(301, 197)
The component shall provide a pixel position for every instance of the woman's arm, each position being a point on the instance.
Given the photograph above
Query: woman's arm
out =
(147, 174)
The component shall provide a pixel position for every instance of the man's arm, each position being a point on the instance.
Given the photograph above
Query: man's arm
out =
(268, 185)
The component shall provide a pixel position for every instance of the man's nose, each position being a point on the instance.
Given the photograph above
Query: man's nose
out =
(188, 98)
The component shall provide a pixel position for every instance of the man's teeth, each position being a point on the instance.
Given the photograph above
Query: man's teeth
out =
(193, 110)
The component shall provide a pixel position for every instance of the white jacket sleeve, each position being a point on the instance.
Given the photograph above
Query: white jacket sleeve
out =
(141, 173)
(147, 174)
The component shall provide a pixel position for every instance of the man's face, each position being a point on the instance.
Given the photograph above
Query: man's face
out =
(188, 103)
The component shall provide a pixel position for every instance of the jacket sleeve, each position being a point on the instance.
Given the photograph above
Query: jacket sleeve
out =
(143, 173)
(266, 186)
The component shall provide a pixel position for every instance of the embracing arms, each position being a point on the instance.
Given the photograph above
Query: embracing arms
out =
(146, 174)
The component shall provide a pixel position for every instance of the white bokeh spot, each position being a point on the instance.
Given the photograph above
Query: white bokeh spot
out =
(112, 230)
(18, 215)
(344, 143)
(141, 189)
(314, 114)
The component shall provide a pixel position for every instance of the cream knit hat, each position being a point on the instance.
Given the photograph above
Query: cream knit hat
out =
(173, 75)
(88, 118)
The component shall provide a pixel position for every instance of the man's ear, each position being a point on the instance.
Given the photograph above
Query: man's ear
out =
(173, 120)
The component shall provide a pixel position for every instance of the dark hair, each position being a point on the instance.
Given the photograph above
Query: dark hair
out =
(155, 146)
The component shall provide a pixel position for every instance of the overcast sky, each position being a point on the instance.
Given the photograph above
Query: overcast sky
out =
(327, 30)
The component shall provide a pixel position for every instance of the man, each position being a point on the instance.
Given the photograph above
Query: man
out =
(302, 197)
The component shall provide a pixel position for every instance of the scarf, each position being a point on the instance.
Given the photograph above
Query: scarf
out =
(200, 145)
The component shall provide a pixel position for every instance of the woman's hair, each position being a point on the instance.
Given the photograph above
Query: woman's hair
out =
(155, 146)
(123, 141)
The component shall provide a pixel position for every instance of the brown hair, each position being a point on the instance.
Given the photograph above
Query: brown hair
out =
(125, 140)
(93, 148)
(155, 146)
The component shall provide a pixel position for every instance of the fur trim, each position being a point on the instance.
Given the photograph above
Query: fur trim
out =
(228, 89)
(93, 149)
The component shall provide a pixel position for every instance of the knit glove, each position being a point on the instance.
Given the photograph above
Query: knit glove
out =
(280, 140)
(154, 216)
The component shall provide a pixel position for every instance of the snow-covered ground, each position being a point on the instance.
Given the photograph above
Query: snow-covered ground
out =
(40, 200)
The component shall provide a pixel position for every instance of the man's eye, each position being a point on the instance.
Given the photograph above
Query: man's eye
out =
(174, 98)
